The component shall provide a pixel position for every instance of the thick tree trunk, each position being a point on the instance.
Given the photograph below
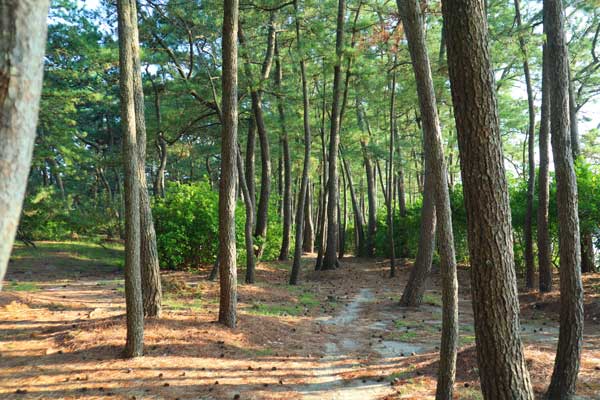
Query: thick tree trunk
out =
(22, 45)
(229, 149)
(502, 368)
(287, 163)
(133, 279)
(543, 232)
(568, 354)
(330, 258)
(150, 270)
(528, 228)
(412, 20)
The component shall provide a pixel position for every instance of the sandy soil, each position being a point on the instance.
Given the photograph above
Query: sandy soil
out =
(346, 338)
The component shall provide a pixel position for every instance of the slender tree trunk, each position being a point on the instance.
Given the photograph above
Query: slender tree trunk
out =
(304, 194)
(133, 279)
(22, 44)
(150, 270)
(287, 163)
(227, 246)
(390, 176)
(249, 224)
(573, 123)
(309, 229)
(330, 259)
(360, 224)
(263, 137)
(412, 20)
(543, 232)
(159, 185)
(502, 368)
(528, 228)
(250, 156)
(568, 354)
(401, 190)
(371, 188)
(342, 213)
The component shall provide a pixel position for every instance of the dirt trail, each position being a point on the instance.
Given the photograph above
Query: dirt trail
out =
(340, 335)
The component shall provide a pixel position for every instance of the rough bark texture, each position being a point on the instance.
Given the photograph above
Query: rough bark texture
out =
(150, 269)
(22, 44)
(227, 247)
(502, 368)
(566, 365)
(330, 258)
(528, 228)
(389, 201)
(412, 20)
(303, 196)
(133, 280)
(287, 164)
(543, 232)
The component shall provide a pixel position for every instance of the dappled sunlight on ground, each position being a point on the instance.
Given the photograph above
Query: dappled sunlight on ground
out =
(340, 334)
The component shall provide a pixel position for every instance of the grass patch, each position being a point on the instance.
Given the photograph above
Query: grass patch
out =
(409, 336)
(432, 299)
(469, 394)
(177, 304)
(263, 352)
(275, 309)
(402, 375)
(22, 287)
(308, 299)
(464, 340)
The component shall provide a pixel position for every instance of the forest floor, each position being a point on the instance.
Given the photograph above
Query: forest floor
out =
(338, 335)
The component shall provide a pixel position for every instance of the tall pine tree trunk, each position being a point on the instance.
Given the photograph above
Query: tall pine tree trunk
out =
(227, 246)
(150, 270)
(543, 232)
(22, 44)
(133, 279)
(412, 20)
(330, 258)
(502, 367)
(566, 366)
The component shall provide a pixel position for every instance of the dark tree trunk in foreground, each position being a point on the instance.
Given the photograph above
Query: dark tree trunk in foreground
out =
(227, 248)
(287, 163)
(528, 228)
(133, 278)
(543, 232)
(330, 258)
(22, 45)
(502, 368)
(303, 196)
(150, 270)
(568, 354)
(412, 20)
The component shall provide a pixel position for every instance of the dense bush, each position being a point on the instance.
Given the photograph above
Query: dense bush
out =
(187, 226)
(47, 216)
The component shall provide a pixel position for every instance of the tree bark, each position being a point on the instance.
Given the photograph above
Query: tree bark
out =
(250, 156)
(227, 245)
(330, 258)
(502, 368)
(133, 280)
(249, 224)
(150, 269)
(543, 232)
(358, 217)
(412, 20)
(308, 245)
(528, 228)
(287, 163)
(22, 44)
(390, 176)
(303, 196)
(371, 187)
(568, 354)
